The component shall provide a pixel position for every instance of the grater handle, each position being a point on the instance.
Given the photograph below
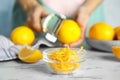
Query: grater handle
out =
(50, 36)
(46, 21)
(45, 24)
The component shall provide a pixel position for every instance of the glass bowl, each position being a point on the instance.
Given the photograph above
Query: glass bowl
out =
(64, 60)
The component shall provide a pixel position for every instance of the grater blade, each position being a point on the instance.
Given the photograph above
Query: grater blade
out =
(57, 26)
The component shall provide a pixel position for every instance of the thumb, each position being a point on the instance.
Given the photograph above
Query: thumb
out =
(44, 14)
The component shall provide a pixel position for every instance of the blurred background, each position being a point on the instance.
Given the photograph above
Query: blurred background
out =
(111, 12)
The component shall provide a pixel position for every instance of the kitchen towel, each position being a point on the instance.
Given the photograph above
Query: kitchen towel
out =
(9, 51)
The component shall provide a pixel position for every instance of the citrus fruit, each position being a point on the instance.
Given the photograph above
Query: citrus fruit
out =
(101, 31)
(116, 51)
(117, 33)
(68, 32)
(22, 35)
(29, 55)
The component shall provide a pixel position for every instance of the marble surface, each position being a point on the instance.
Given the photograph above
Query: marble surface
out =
(98, 66)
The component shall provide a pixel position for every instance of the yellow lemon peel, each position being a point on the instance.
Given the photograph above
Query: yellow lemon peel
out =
(65, 60)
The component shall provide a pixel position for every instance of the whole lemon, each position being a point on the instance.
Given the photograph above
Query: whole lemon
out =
(101, 31)
(68, 32)
(22, 35)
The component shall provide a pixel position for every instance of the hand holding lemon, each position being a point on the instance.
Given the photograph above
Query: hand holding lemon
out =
(69, 32)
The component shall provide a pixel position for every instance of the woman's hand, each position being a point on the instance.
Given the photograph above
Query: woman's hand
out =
(34, 18)
(34, 13)
(82, 19)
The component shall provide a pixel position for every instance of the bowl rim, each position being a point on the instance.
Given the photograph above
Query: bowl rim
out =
(87, 38)
(46, 59)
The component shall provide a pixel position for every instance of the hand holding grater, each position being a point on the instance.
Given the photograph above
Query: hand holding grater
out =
(56, 21)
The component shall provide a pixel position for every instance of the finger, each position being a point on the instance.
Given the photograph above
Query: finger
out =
(29, 21)
(66, 45)
(36, 21)
(77, 43)
(45, 14)
(78, 20)
(82, 20)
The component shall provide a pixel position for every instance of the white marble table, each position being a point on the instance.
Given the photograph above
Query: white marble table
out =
(98, 66)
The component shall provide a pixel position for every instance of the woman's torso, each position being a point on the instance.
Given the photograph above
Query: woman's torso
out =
(66, 7)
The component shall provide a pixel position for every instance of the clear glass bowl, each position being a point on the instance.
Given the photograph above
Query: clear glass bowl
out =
(64, 64)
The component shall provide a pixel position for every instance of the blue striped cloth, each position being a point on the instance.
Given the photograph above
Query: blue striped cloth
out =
(9, 51)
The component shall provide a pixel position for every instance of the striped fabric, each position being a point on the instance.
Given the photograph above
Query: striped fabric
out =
(9, 51)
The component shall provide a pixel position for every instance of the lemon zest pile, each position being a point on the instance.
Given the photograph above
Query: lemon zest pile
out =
(65, 60)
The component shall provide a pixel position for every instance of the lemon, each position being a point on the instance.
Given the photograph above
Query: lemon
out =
(101, 31)
(69, 32)
(29, 55)
(117, 33)
(22, 35)
(116, 51)
(117, 28)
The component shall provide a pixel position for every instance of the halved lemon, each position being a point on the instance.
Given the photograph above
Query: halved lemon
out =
(29, 55)
(116, 51)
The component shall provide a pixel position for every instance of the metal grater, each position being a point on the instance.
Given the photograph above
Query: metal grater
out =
(51, 35)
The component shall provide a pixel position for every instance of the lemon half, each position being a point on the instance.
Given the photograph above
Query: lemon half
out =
(116, 51)
(29, 55)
